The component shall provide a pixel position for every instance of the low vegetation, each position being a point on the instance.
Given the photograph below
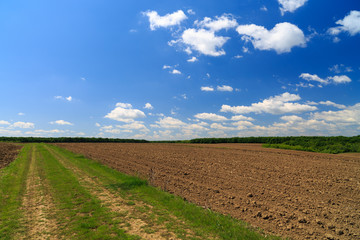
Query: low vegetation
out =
(337, 144)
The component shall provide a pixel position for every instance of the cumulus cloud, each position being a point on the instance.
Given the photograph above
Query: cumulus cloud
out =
(291, 118)
(134, 126)
(340, 79)
(219, 126)
(175, 71)
(240, 125)
(211, 117)
(193, 59)
(125, 113)
(349, 115)
(282, 38)
(61, 122)
(226, 21)
(157, 21)
(148, 106)
(241, 118)
(169, 122)
(335, 79)
(279, 104)
(313, 77)
(204, 41)
(207, 89)
(3, 122)
(290, 5)
(350, 24)
(224, 88)
(330, 103)
(69, 98)
(23, 125)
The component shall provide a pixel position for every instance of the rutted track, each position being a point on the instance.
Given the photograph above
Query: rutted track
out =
(296, 194)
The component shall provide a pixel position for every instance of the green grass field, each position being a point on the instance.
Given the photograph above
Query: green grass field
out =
(51, 193)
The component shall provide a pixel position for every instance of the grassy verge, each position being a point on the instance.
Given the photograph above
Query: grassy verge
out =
(12, 188)
(203, 223)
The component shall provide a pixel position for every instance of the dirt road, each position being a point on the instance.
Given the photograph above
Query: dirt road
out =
(294, 194)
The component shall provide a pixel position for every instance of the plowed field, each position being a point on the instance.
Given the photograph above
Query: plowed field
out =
(293, 194)
(8, 152)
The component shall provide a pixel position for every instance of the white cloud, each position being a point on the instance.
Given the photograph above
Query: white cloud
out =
(61, 122)
(193, 59)
(224, 88)
(238, 56)
(124, 113)
(240, 125)
(58, 97)
(69, 98)
(219, 126)
(207, 89)
(264, 8)
(23, 125)
(157, 21)
(148, 106)
(191, 12)
(21, 114)
(282, 38)
(313, 77)
(204, 41)
(241, 118)
(330, 103)
(97, 125)
(134, 126)
(279, 104)
(211, 116)
(169, 122)
(338, 68)
(350, 24)
(290, 5)
(350, 115)
(340, 79)
(3, 122)
(123, 105)
(166, 67)
(226, 21)
(175, 71)
(335, 79)
(292, 118)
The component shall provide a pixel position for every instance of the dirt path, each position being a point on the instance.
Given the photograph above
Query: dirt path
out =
(300, 195)
(38, 206)
(133, 221)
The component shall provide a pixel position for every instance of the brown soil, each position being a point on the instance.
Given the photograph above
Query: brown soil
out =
(294, 194)
(8, 153)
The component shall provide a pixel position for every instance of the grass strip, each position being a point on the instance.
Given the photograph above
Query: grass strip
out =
(12, 188)
(203, 222)
(80, 214)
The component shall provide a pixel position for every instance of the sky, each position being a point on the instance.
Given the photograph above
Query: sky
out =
(165, 70)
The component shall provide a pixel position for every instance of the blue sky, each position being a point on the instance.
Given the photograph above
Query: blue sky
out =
(179, 69)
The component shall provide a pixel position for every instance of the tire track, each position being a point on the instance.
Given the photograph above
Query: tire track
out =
(37, 205)
(130, 219)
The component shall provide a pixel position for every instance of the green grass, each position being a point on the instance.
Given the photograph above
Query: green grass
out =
(165, 207)
(81, 215)
(12, 187)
